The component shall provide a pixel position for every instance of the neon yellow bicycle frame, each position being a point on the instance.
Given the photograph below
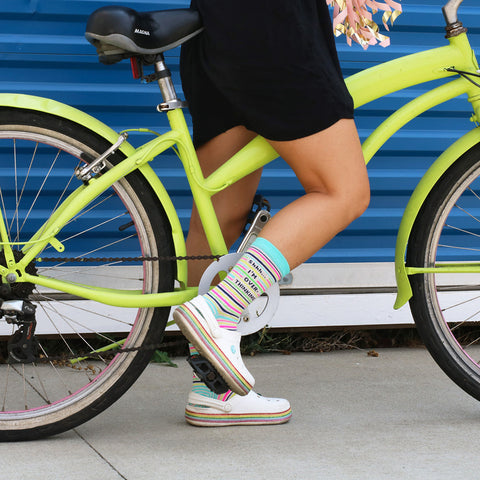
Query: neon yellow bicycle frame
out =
(365, 86)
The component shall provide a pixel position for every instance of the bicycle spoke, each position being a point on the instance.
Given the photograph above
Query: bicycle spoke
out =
(446, 302)
(38, 194)
(473, 217)
(15, 216)
(71, 322)
(460, 304)
(63, 194)
(92, 207)
(83, 232)
(57, 374)
(85, 310)
(471, 190)
(43, 393)
(103, 247)
(456, 247)
(4, 212)
(82, 213)
(26, 382)
(462, 230)
(60, 272)
(19, 198)
(7, 376)
(24, 386)
(62, 337)
(76, 362)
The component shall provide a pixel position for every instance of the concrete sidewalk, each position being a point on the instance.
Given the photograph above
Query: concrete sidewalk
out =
(396, 416)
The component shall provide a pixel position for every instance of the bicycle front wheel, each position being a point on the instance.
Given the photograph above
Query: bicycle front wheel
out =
(446, 304)
(75, 373)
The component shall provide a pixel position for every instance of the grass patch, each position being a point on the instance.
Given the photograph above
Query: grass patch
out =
(328, 341)
(286, 342)
(268, 341)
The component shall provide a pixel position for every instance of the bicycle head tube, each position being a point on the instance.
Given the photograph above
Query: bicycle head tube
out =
(454, 26)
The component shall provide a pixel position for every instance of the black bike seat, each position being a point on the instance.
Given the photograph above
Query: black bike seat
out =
(121, 32)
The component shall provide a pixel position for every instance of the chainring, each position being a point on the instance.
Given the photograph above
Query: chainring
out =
(260, 312)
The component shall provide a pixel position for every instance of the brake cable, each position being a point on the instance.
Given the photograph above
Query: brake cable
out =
(465, 75)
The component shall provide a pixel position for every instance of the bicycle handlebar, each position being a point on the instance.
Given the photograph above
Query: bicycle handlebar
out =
(450, 11)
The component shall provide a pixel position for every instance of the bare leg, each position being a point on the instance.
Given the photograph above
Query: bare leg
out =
(232, 205)
(331, 168)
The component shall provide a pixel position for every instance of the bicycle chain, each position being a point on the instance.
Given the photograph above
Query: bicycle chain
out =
(128, 259)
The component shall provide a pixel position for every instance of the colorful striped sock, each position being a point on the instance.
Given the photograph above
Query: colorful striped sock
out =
(258, 269)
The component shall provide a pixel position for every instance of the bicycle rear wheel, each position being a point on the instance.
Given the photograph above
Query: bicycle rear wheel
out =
(38, 155)
(446, 306)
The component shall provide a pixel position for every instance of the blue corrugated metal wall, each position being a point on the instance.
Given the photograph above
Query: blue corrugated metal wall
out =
(43, 52)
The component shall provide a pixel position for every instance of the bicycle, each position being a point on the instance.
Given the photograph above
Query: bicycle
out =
(45, 392)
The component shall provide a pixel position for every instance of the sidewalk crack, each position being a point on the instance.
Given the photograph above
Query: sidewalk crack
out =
(99, 454)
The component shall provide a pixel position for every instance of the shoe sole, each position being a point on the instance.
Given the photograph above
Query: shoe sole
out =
(207, 347)
(229, 420)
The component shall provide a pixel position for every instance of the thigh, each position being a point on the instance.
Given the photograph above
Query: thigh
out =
(330, 161)
(331, 168)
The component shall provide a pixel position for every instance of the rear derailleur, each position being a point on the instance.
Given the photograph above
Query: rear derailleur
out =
(22, 345)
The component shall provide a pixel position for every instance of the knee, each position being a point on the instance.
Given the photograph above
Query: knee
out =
(362, 199)
(355, 200)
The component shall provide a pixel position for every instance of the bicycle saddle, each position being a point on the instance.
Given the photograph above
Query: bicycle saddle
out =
(121, 32)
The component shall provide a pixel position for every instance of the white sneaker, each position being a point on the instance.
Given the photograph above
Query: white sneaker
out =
(221, 347)
(252, 409)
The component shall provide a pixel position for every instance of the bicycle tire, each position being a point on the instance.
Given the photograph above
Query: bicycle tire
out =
(445, 305)
(43, 399)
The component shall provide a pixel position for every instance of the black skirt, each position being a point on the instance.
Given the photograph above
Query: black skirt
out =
(270, 65)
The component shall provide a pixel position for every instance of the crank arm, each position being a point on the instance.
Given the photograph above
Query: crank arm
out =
(260, 220)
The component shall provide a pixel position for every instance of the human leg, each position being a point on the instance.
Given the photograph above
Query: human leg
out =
(204, 407)
(330, 167)
(232, 205)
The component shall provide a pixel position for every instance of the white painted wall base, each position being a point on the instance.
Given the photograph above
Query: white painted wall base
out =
(332, 311)
(351, 308)
(312, 300)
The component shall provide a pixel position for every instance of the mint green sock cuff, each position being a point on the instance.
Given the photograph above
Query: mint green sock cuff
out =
(274, 254)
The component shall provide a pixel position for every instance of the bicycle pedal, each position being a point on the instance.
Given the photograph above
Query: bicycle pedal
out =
(207, 373)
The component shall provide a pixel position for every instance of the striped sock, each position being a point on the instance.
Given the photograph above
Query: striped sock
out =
(258, 269)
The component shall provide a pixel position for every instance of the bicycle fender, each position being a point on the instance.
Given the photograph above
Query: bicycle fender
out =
(419, 195)
(46, 105)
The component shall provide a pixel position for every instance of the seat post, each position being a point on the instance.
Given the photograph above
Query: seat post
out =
(167, 88)
(164, 78)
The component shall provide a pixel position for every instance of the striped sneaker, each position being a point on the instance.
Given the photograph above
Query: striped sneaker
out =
(252, 409)
(220, 346)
